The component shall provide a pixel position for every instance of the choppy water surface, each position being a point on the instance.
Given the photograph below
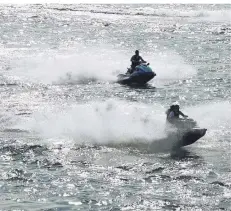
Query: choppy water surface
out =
(73, 139)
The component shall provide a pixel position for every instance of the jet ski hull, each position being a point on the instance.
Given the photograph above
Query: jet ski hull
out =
(135, 78)
(190, 137)
(171, 143)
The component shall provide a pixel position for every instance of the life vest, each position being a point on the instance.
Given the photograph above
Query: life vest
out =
(168, 112)
(176, 114)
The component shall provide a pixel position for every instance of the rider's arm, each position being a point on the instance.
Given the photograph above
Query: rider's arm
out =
(182, 114)
(142, 59)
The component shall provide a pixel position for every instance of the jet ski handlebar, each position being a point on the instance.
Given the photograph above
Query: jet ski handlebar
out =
(145, 63)
(187, 119)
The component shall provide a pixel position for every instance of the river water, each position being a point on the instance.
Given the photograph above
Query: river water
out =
(71, 138)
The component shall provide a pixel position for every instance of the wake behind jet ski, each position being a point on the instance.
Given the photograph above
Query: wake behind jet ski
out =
(186, 130)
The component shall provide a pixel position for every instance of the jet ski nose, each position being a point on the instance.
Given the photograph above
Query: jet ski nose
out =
(203, 131)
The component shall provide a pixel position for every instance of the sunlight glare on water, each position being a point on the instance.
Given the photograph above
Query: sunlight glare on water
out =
(71, 138)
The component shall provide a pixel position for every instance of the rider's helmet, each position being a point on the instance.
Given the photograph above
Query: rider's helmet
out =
(175, 105)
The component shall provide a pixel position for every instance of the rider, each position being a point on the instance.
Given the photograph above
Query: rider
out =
(136, 60)
(174, 112)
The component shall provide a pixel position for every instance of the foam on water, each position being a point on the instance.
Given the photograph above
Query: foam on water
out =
(217, 16)
(203, 14)
(111, 11)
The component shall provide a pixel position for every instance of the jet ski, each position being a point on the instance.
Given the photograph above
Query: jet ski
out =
(191, 136)
(187, 132)
(141, 75)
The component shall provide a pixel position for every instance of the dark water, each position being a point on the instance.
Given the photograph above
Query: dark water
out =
(71, 138)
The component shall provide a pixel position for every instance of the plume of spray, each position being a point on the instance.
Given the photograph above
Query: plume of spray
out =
(222, 16)
(73, 66)
(105, 123)
(216, 117)
(169, 66)
(87, 64)
(120, 123)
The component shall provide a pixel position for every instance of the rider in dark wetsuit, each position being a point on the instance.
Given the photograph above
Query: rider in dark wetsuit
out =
(136, 60)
